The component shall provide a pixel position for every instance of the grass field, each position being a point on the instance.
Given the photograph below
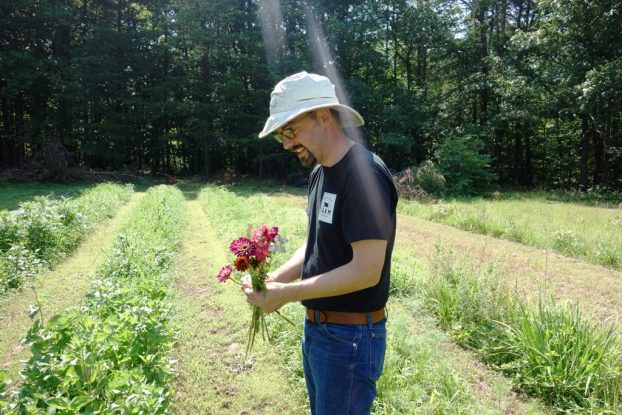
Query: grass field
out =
(589, 233)
(463, 330)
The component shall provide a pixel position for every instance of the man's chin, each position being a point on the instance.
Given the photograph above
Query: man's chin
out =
(306, 159)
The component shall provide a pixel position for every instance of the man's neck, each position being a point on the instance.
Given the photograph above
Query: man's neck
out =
(340, 146)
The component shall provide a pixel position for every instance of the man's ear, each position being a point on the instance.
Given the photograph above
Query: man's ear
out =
(323, 116)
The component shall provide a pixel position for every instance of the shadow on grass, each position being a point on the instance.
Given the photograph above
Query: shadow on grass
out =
(190, 189)
(12, 194)
(252, 187)
(244, 188)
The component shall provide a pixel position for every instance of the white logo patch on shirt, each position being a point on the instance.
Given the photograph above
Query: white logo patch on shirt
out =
(327, 207)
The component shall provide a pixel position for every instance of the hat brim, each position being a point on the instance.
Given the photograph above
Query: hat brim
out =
(347, 116)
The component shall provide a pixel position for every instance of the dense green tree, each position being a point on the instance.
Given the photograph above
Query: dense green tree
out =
(182, 86)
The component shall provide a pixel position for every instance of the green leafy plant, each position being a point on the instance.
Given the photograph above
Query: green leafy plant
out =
(44, 230)
(464, 165)
(112, 355)
(430, 179)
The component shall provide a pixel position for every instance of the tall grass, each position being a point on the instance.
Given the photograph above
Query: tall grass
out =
(568, 361)
(551, 351)
(44, 230)
(589, 233)
(112, 354)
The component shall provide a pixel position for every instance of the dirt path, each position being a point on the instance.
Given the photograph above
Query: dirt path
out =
(212, 375)
(597, 289)
(57, 289)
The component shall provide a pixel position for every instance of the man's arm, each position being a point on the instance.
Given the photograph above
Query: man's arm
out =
(362, 272)
(291, 269)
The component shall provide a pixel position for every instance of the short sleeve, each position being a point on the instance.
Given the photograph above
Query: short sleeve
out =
(367, 206)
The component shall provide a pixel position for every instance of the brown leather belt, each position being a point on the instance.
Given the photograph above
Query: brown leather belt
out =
(344, 317)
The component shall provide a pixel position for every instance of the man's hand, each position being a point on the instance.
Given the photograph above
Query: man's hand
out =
(269, 300)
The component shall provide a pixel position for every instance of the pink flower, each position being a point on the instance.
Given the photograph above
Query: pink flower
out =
(262, 250)
(261, 255)
(264, 233)
(242, 247)
(260, 233)
(224, 273)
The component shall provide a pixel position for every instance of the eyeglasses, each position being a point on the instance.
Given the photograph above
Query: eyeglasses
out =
(289, 132)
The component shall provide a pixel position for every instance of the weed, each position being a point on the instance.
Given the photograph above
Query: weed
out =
(442, 210)
(566, 242)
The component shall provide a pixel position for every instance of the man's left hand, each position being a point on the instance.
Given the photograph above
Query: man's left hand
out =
(268, 300)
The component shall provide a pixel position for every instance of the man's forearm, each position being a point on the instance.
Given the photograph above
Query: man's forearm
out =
(362, 272)
(291, 269)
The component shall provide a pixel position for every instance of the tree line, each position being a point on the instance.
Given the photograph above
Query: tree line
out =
(519, 92)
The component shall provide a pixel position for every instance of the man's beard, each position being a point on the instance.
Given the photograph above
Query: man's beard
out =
(305, 157)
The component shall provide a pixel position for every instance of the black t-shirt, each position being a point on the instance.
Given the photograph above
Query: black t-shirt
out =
(353, 200)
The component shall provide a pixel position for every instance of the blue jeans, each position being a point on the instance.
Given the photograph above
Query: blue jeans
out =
(342, 364)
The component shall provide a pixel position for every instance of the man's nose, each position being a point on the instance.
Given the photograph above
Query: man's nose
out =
(288, 143)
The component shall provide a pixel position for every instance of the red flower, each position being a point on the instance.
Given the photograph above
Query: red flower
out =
(241, 263)
(224, 273)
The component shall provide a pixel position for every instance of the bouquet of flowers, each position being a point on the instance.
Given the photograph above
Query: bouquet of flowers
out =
(252, 257)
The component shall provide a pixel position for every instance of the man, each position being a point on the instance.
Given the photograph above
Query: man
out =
(341, 273)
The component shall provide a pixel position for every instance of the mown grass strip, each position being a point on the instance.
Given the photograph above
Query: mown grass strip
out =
(112, 355)
(212, 376)
(588, 233)
(44, 230)
(417, 378)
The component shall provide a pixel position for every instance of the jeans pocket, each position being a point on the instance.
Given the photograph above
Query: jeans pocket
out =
(377, 351)
(341, 333)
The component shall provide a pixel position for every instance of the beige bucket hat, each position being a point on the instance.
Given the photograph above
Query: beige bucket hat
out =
(304, 92)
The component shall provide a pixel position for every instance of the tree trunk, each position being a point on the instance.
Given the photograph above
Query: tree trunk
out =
(528, 171)
(422, 65)
(584, 151)
(518, 155)
(484, 64)
(206, 158)
(61, 48)
(598, 140)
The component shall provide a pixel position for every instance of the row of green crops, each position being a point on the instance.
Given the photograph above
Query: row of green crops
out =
(549, 350)
(416, 378)
(112, 354)
(589, 233)
(44, 230)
